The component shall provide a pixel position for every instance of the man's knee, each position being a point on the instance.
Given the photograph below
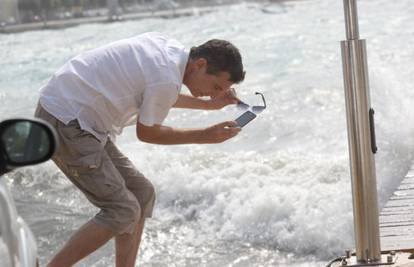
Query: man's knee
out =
(120, 218)
(150, 195)
(130, 214)
(146, 197)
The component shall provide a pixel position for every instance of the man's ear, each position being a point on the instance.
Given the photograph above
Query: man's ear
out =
(201, 63)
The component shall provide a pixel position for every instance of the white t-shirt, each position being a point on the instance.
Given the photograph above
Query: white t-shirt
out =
(105, 89)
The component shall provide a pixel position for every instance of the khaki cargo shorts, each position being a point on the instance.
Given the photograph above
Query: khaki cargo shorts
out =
(107, 178)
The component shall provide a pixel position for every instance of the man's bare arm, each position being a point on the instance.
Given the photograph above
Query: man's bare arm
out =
(187, 101)
(165, 135)
(219, 101)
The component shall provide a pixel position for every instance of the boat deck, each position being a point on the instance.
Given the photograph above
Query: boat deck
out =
(397, 217)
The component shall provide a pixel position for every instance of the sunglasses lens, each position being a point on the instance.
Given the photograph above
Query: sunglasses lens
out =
(242, 105)
(257, 109)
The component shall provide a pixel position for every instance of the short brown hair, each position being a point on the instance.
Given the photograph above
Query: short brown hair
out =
(221, 56)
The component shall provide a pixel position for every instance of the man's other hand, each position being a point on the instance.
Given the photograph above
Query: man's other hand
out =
(222, 99)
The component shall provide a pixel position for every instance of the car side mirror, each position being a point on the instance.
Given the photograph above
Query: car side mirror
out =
(25, 142)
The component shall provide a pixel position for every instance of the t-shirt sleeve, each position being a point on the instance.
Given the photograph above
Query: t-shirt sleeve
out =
(157, 102)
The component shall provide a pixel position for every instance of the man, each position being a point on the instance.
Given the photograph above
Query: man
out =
(132, 81)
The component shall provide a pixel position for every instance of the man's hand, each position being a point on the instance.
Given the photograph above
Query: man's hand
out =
(221, 132)
(227, 97)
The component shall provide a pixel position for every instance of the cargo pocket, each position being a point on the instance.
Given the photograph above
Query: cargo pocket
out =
(91, 175)
(73, 132)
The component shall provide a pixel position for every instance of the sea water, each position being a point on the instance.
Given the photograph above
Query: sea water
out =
(279, 193)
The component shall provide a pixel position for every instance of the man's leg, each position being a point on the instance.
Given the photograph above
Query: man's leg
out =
(83, 159)
(86, 240)
(127, 246)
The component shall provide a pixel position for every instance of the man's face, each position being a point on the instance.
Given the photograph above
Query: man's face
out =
(201, 83)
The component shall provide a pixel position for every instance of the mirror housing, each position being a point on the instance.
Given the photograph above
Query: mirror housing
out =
(25, 142)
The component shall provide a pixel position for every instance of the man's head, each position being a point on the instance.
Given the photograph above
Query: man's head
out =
(213, 67)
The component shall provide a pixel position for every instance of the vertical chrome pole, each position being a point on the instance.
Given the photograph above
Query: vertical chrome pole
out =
(361, 139)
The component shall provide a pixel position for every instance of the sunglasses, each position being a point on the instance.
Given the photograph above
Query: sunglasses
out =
(255, 109)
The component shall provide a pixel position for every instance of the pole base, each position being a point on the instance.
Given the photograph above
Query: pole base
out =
(393, 259)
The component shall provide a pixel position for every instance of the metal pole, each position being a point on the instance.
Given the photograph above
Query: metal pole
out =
(361, 139)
